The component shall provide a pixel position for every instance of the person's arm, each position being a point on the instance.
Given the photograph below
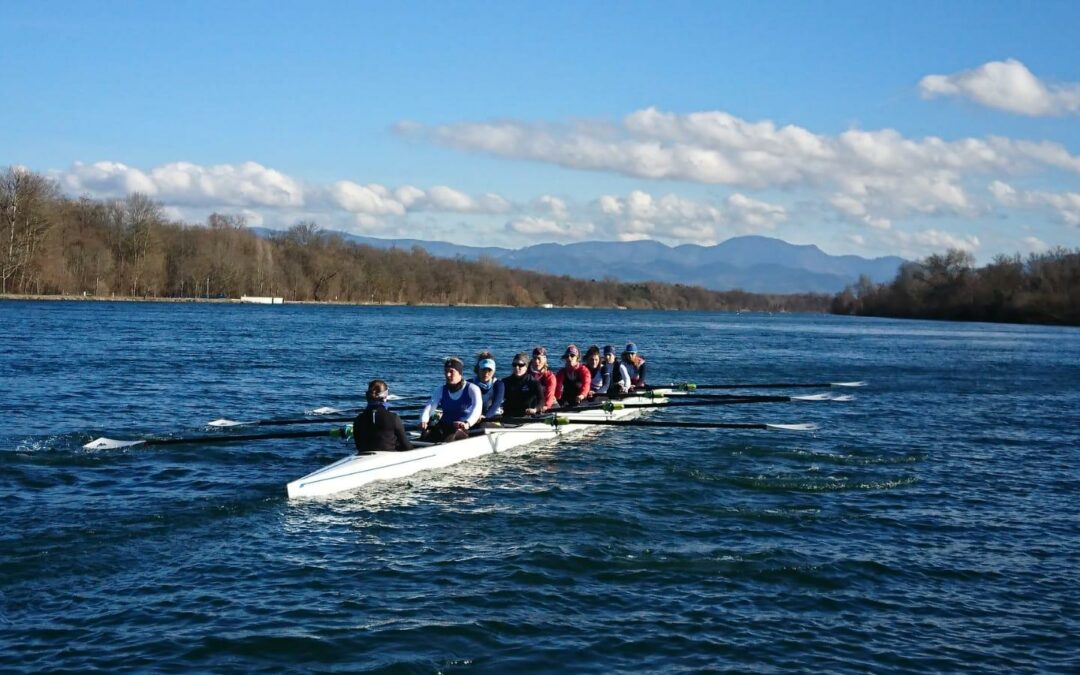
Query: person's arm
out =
(536, 395)
(403, 442)
(425, 414)
(498, 392)
(559, 379)
(475, 407)
(356, 430)
(549, 391)
(586, 383)
(641, 374)
(624, 378)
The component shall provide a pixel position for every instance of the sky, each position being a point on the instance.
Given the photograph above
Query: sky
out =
(864, 128)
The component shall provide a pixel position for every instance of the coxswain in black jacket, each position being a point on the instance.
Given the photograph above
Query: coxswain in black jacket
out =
(375, 428)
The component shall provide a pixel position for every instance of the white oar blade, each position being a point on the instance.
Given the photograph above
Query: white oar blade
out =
(843, 399)
(109, 444)
(223, 424)
(847, 384)
(810, 426)
(325, 410)
(813, 397)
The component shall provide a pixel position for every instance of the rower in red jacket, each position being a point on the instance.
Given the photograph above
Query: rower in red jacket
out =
(573, 381)
(539, 371)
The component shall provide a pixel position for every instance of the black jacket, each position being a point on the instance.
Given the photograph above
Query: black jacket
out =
(376, 429)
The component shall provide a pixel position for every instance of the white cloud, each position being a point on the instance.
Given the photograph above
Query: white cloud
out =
(187, 189)
(874, 177)
(1036, 245)
(923, 242)
(640, 215)
(1006, 85)
(1063, 206)
(372, 200)
(533, 226)
(552, 205)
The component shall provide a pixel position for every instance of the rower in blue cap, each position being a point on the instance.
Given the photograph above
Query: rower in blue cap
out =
(491, 389)
(631, 369)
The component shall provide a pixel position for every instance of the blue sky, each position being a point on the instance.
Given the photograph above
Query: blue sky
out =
(861, 127)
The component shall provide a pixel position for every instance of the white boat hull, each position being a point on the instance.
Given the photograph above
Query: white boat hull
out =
(356, 471)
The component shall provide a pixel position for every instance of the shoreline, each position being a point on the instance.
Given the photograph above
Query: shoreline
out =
(238, 301)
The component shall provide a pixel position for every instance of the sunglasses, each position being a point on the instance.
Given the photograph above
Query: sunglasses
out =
(518, 364)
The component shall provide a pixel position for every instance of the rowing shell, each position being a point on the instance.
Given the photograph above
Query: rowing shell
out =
(355, 471)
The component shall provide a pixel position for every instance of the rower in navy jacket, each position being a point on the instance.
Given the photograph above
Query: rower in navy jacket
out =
(375, 428)
(460, 403)
(635, 366)
(491, 390)
(572, 382)
(599, 372)
(524, 395)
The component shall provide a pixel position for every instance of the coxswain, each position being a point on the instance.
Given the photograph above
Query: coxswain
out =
(491, 389)
(375, 428)
(460, 403)
(523, 394)
(539, 371)
(573, 381)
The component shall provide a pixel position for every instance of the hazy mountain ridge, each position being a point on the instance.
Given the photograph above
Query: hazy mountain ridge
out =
(752, 263)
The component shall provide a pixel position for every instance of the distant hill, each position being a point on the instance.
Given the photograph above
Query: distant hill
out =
(751, 263)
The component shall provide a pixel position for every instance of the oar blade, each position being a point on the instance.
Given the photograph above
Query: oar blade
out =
(842, 399)
(813, 397)
(848, 384)
(808, 426)
(226, 424)
(109, 444)
(324, 410)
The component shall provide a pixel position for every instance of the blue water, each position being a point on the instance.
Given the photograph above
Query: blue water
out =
(930, 525)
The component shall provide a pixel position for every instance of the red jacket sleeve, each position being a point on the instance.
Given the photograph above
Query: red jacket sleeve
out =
(549, 390)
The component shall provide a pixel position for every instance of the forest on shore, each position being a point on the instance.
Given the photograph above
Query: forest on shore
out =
(1043, 288)
(51, 244)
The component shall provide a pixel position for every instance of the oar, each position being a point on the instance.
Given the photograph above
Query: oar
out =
(112, 444)
(737, 398)
(225, 423)
(690, 386)
(328, 410)
(561, 420)
(618, 405)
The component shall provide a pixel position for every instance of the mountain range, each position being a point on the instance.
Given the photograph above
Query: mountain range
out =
(751, 263)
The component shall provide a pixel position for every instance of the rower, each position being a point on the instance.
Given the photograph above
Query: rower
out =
(573, 381)
(619, 382)
(539, 371)
(635, 366)
(523, 394)
(491, 390)
(598, 385)
(460, 403)
(375, 428)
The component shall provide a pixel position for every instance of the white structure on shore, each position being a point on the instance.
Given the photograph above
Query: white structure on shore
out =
(262, 300)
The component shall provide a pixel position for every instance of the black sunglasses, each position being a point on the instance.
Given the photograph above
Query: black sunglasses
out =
(518, 364)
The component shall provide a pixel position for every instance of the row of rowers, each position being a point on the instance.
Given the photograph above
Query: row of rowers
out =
(531, 389)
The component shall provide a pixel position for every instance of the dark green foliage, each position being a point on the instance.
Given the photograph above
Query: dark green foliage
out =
(1045, 288)
(129, 248)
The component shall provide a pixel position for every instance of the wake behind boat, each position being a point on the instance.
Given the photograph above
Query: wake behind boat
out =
(354, 471)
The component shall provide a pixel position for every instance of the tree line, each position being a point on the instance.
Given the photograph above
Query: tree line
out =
(1043, 288)
(51, 244)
